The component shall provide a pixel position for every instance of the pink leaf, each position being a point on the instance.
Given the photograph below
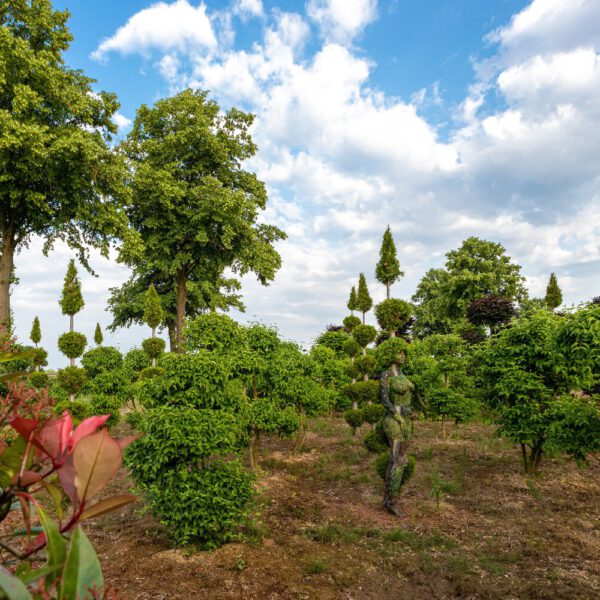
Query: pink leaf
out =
(86, 427)
(96, 459)
(54, 437)
(66, 474)
(125, 441)
(29, 477)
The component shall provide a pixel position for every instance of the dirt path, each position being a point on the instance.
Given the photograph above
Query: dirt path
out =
(477, 529)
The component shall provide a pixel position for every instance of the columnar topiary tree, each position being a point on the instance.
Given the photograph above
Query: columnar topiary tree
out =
(364, 302)
(388, 270)
(153, 315)
(40, 355)
(36, 332)
(553, 297)
(98, 337)
(352, 301)
(71, 344)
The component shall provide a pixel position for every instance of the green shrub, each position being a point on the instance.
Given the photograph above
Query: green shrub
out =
(134, 362)
(342, 403)
(373, 413)
(72, 344)
(365, 364)
(202, 506)
(101, 360)
(78, 409)
(40, 357)
(38, 379)
(351, 322)
(267, 415)
(334, 340)
(212, 331)
(351, 347)
(151, 372)
(354, 418)
(71, 379)
(362, 392)
(352, 371)
(393, 314)
(154, 347)
(106, 405)
(389, 351)
(136, 420)
(381, 464)
(364, 335)
(374, 442)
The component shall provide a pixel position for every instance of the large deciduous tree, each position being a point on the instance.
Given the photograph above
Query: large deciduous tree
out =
(478, 268)
(388, 270)
(59, 179)
(194, 205)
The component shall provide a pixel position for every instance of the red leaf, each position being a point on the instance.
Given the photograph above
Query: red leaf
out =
(66, 474)
(54, 437)
(96, 459)
(29, 477)
(87, 427)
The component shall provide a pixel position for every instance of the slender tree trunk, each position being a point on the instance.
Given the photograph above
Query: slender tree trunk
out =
(524, 457)
(153, 336)
(172, 336)
(387, 290)
(181, 300)
(363, 317)
(443, 428)
(6, 267)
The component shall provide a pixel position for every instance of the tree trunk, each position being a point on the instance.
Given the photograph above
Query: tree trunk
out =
(363, 317)
(6, 267)
(153, 336)
(443, 428)
(387, 290)
(172, 336)
(181, 301)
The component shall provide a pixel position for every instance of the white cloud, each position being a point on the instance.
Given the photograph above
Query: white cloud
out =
(251, 8)
(122, 121)
(162, 26)
(342, 20)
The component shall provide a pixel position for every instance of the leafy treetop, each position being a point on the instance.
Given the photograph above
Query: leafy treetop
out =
(388, 270)
(98, 337)
(36, 332)
(352, 301)
(364, 302)
(153, 312)
(71, 300)
(553, 297)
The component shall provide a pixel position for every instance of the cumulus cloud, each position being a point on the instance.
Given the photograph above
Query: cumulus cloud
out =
(248, 8)
(342, 20)
(162, 26)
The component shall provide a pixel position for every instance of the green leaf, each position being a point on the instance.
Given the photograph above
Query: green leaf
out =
(82, 572)
(10, 461)
(56, 548)
(13, 588)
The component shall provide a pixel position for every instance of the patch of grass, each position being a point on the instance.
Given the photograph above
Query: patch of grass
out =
(428, 453)
(419, 542)
(316, 567)
(328, 534)
(534, 490)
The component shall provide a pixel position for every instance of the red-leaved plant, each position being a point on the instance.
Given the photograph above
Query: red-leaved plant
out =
(40, 453)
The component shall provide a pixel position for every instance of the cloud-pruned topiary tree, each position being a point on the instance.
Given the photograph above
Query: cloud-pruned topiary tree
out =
(388, 270)
(553, 298)
(71, 344)
(364, 302)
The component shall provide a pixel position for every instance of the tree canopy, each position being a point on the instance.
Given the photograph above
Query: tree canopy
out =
(59, 177)
(195, 207)
(388, 270)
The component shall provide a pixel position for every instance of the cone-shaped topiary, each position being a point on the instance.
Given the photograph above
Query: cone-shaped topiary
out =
(153, 310)
(388, 270)
(393, 314)
(352, 301)
(71, 300)
(98, 337)
(553, 297)
(364, 302)
(36, 332)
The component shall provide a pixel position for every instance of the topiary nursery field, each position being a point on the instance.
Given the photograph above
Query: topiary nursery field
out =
(474, 527)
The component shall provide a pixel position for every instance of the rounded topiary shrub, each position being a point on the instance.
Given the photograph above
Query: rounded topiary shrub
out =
(354, 418)
(375, 442)
(393, 314)
(365, 364)
(40, 357)
(111, 383)
(71, 379)
(153, 347)
(151, 372)
(352, 371)
(72, 344)
(364, 335)
(390, 351)
(212, 331)
(351, 347)
(78, 409)
(38, 379)
(101, 360)
(350, 323)
(363, 392)
(381, 464)
(373, 413)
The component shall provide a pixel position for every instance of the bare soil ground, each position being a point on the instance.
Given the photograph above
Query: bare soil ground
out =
(475, 528)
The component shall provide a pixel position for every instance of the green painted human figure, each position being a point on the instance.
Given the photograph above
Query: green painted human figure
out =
(396, 396)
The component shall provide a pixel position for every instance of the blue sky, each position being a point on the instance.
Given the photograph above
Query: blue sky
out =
(442, 118)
